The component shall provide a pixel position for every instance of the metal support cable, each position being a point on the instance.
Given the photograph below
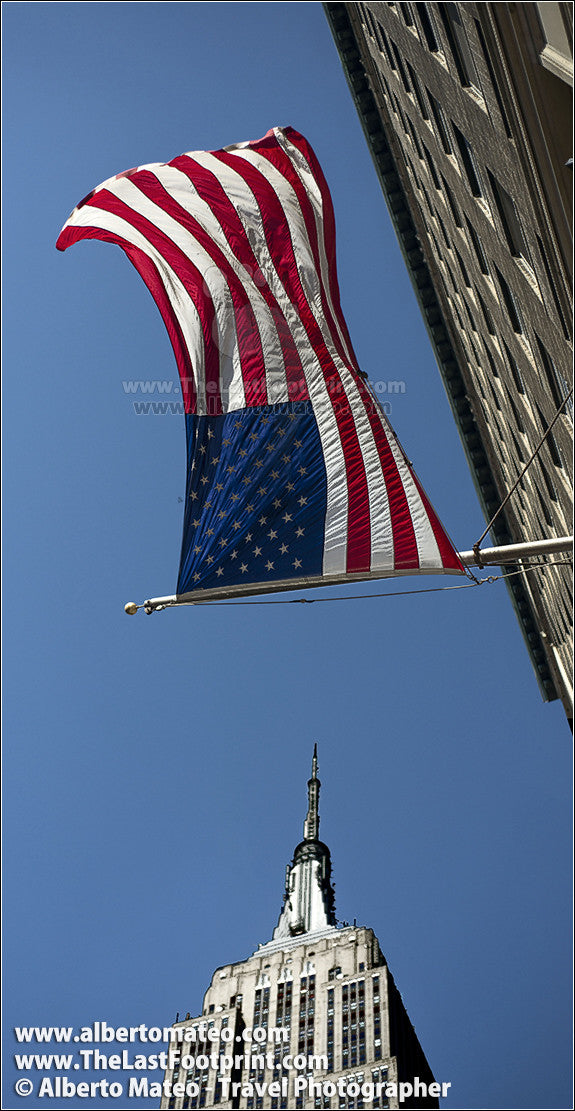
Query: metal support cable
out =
(518, 480)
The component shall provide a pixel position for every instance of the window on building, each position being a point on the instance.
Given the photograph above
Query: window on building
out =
(516, 414)
(509, 218)
(436, 245)
(431, 167)
(428, 27)
(445, 235)
(459, 45)
(545, 508)
(469, 163)
(518, 448)
(440, 123)
(494, 397)
(510, 303)
(452, 203)
(417, 91)
(554, 293)
(493, 78)
(550, 440)
(492, 364)
(413, 134)
(478, 248)
(515, 372)
(558, 386)
(401, 115)
(486, 314)
(472, 322)
(463, 269)
(401, 68)
(386, 47)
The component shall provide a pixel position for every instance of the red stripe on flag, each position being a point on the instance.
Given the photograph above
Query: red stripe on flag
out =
(248, 337)
(190, 277)
(213, 193)
(449, 556)
(282, 251)
(329, 232)
(281, 161)
(405, 544)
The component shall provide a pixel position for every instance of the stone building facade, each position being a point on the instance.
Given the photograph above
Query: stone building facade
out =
(467, 109)
(312, 1019)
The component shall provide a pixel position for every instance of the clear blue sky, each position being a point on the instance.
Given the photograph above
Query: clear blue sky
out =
(155, 767)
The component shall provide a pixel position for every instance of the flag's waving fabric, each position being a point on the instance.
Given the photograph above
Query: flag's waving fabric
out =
(294, 474)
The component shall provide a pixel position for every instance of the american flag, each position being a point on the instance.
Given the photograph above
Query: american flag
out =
(294, 473)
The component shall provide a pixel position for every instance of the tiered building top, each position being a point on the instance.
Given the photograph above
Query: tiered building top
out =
(310, 1019)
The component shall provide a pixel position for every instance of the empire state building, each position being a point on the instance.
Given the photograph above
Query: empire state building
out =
(312, 1019)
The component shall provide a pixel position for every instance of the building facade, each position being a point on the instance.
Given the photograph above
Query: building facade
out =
(467, 109)
(312, 1019)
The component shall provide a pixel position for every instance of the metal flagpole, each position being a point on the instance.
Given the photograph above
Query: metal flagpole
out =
(507, 553)
(510, 553)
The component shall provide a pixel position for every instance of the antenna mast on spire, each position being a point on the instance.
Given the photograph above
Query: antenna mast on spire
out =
(311, 824)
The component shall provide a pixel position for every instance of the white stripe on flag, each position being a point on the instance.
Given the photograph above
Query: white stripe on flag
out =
(231, 379)
(382, 547)
(182, 189)
(335, 557)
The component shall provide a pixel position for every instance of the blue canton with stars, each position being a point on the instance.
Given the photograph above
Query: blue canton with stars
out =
(255, 498)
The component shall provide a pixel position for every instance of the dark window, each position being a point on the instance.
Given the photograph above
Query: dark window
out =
(440, 123)
(457, 38)
(516, 373)
(548, 482)
(471, 320)
(386, 47)
(401, 115)
(469, 164)
(515, 411)
(494, 81)
(463, 269)
(416, 87)
(518, 448)
(436, 245)
(478, 248)
(401, 68)
(428, 27)
(487, 315)
(557, 384)
(495, 398)
(510, 303)
(431, 166)
(413, 134)
(494, 369)
(555, 295)
(452, 204)
(509, 218)
(550, 440)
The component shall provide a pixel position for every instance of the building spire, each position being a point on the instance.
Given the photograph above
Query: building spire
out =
(311, 824)
(309, 901)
